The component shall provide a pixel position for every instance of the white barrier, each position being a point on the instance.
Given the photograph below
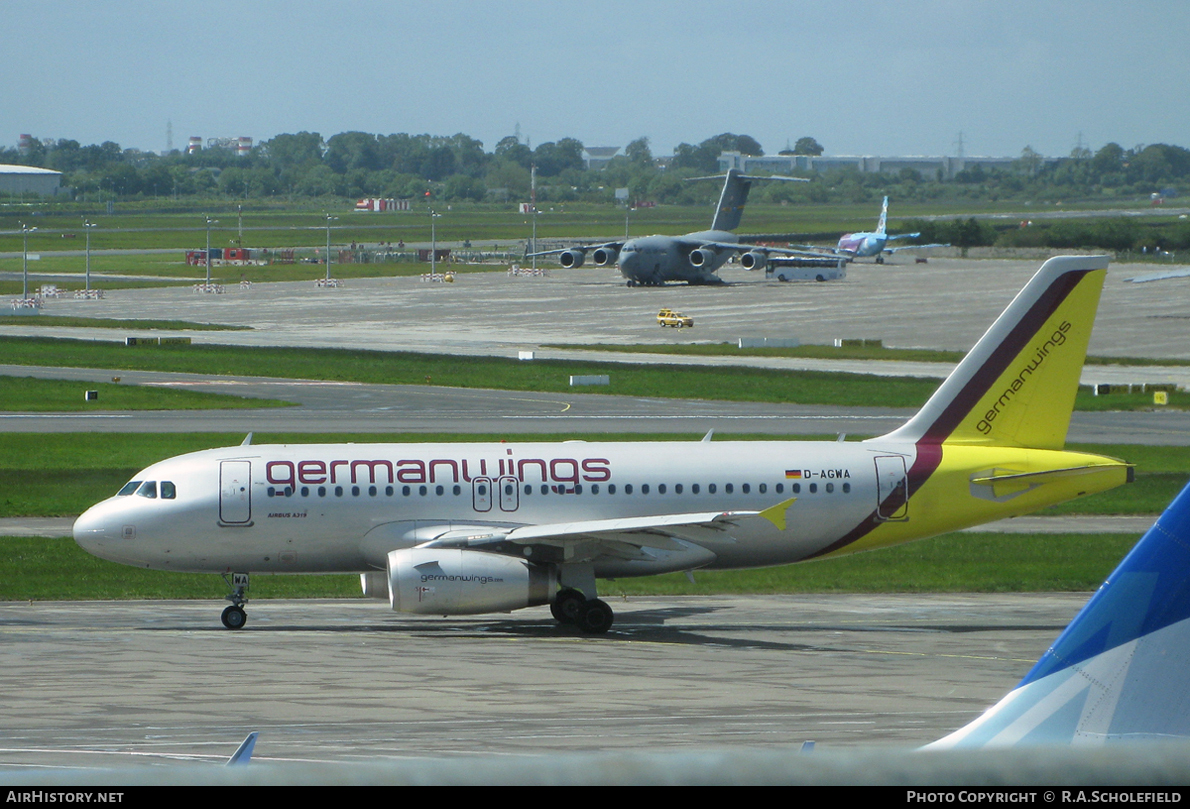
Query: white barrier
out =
(88, 294)
(596, 379)
(209, 289)
(328, 283)
(27, 305)
(769, 342)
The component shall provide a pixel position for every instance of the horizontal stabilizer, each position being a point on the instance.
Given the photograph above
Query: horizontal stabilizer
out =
(1117, 672)
(996, 476)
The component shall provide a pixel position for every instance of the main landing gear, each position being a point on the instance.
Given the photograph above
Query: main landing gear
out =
(590, 615)
(234, 616)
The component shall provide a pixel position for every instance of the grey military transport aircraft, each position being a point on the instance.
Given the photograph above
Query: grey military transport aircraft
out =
(694, 257)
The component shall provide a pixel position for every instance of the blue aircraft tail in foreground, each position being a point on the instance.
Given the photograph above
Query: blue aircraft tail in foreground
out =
(243, 753)
(1118, 671)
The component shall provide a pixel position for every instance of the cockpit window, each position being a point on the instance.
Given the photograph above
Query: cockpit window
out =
(129, 487)
(148, 489)
(168, 492)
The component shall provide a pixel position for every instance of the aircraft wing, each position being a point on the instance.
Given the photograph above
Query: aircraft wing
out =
(759, 248)
(613, 245)
(1164, 275)
(621, 537)
(913, 247)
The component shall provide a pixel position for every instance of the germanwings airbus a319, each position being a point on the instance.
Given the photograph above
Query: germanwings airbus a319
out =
(473, 528)
(694, 257)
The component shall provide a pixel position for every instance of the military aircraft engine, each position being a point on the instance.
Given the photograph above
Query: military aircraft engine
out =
(754, 260)
(572, 258)
(444, 581)
(702, 257)
(604, 256)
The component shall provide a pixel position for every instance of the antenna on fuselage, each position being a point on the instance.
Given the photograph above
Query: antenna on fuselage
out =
(247, 440)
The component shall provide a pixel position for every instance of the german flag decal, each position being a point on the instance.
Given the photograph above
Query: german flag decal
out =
(793, 474)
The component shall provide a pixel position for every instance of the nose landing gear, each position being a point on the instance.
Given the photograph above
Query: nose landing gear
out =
(234, 616)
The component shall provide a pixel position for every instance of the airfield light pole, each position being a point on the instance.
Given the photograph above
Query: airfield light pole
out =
(533, 209)
(25, 231)
(87, 227)
(210, 222)
(433, 242)
(329, 219)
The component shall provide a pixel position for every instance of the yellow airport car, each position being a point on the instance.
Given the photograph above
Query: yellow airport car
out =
(668, 317)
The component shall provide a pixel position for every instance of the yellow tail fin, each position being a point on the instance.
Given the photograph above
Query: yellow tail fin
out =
(1016, 387)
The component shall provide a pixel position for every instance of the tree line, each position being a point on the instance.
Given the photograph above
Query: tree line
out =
(457, 168)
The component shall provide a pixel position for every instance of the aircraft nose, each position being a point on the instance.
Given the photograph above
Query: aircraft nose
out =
(96, 527)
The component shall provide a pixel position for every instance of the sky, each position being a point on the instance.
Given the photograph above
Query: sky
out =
(877, 78)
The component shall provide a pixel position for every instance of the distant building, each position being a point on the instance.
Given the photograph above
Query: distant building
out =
(927, 166)
(596, 157)
(28, 180)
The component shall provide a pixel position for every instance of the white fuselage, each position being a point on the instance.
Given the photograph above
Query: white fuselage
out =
(343, 507)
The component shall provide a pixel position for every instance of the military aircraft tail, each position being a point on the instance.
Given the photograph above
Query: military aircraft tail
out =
(1016, 387)
(1118, 672)
(731, 201)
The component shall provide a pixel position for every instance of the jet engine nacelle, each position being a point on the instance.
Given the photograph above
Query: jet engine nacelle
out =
(604, 256)
(443, 581)
(572, 258)
(754, 260)
(702, 257)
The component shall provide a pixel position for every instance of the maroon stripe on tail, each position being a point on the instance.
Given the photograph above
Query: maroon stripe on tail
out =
(1010, 348)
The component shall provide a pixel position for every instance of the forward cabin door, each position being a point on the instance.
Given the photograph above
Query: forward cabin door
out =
(235, 492)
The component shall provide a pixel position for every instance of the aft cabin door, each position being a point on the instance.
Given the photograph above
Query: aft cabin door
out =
(892, 489)
(235, 492)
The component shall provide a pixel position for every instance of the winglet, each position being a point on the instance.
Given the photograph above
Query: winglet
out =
(1117, 672)
(244, 752)
(776, 514)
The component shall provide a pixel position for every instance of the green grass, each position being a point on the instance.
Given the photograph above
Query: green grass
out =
(302, 223)
(1161, 472)
(952, 563)
(407, 368)
(679, 382)
(66, 321)
(30, 395)
(57, 569)
(170, 269)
